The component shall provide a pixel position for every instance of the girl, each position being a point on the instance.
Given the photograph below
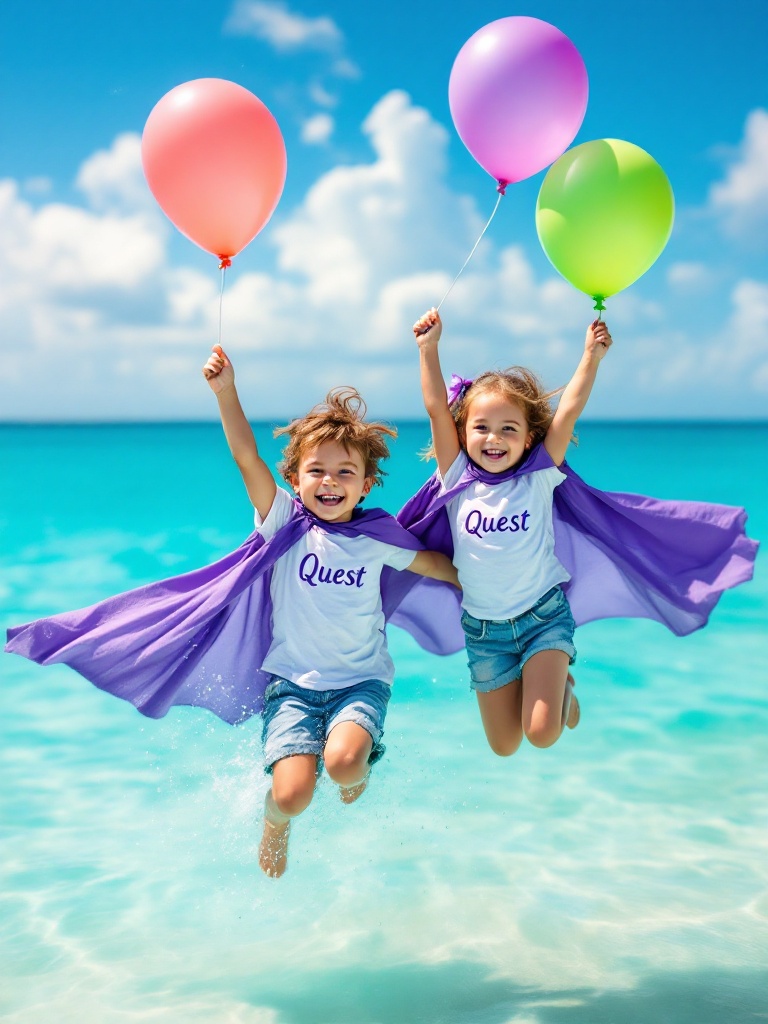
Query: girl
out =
(517, 622)
(525, 531)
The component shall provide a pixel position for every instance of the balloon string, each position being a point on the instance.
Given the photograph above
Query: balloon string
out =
(225, 262)
(500, 190)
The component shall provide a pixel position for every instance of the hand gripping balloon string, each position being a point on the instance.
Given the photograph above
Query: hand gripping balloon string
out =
(501, 191)
(225, 262)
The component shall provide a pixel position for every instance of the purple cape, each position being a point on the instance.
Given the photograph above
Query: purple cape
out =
(201, 638)
(627, 555)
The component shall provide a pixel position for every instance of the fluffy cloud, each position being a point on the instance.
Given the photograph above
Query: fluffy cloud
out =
(66, 251)
(39, 186)
(369, 247)
(317, 130)
(321, 96)
(289, 32)
(689, 275)
(113, 179)
(107, 324)
(745, 337)
(741, 199)
(362, 225)
(285, 30)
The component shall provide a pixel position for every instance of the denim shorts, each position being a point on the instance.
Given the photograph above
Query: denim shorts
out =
(498, 649)
(297, 720)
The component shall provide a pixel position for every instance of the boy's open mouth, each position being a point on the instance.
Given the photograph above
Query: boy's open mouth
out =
(493, 453)
(330, 500)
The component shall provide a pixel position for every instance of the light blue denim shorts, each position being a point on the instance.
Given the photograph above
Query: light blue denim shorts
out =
(498, 649)
(297, 720)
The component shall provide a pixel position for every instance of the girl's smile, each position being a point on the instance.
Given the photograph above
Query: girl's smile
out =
(497, 432)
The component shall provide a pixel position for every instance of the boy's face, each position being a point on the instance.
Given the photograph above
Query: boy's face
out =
(330, 481)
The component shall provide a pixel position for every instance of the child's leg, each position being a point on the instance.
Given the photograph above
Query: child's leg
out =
(544, 696)
(293, 784)
(293, 736)
(501, 714)
(346, 757)
(354, 730)
(493, 657)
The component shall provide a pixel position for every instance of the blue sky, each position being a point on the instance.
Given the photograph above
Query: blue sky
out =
(108, 312)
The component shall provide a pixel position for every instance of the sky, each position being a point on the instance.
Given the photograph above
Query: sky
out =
(107, 312)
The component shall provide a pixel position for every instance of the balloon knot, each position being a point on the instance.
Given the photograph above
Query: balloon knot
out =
(598, 302)
(225, 262)
(501, 188)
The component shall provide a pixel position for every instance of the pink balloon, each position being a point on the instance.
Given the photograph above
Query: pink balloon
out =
(518, 94)
(214, 159)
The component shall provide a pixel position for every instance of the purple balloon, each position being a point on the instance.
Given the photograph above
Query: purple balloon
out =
(518, 93)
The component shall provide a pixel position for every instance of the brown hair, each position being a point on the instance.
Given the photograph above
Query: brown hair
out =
(339, 418)
(516, 384)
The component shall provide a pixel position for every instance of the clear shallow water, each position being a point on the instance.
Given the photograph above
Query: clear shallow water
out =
(621, 876)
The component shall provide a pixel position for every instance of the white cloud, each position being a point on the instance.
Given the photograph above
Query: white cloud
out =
(285, 30)
(39, 186)
(321, 96)
(362, 225)
(89, 297)
(191, 298)
(719, 372)
(59, 249)
(747, 329)
(741, 199)
(288, 31)
(689, 275)
(82, 292)
(368, 249)
(760, 379)
(346, 68)
(317, 130)
(113, 179)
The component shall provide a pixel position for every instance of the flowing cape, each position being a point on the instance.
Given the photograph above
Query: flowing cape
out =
(628, 555)
(201, 638)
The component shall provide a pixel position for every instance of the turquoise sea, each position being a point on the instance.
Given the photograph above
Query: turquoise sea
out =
(620, 877)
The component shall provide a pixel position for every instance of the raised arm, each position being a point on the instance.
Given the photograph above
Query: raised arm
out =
(256, 474)
(575, 397)
(428, 329)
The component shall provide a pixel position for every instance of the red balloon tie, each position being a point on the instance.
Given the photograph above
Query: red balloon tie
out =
(225, 262)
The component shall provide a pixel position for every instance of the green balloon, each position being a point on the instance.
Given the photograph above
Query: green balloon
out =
(604, 214)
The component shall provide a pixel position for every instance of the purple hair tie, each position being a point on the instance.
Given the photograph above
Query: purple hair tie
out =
(457, 388)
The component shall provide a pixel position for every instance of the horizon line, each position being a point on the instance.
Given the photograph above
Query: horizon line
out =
(596, 421)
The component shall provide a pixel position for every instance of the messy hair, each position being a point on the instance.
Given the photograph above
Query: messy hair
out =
(339, 418)
(516, 384)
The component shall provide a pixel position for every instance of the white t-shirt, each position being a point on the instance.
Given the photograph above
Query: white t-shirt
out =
(504, 543)
(327, 620)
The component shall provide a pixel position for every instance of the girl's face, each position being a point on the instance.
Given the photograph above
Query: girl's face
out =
(331, 481)
(497, 432)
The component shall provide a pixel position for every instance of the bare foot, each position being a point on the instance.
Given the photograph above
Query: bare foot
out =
(273, 848)
(573, 713)
(348, 794)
